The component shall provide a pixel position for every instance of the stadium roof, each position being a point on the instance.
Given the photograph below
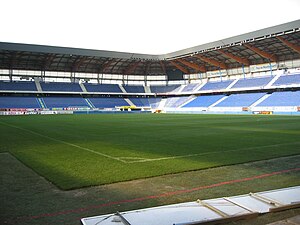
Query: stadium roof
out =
(273, 44)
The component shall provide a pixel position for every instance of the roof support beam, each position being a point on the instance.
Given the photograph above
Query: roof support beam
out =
(48, 61)
(289, 44)
(131, 67)
(236, 58)
(78, 62)
(193, 65)
(106, 65)
(211, 61)
(14, 59)
(113, 67)
(147, 67)
(88, 63)
(181, 68)
(163, 67)
(261, 53)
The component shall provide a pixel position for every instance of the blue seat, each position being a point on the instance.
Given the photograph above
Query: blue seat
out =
(163, 89)
(18, 86)
(65, 102)
(204, 101)
(106, 88)
(287, 80)
(288, 98)
(8, 102)
(59, 86)
(240, 100)
(216, 85)
(252, 82)
(189, 88)
(134, 89)
(111, 102)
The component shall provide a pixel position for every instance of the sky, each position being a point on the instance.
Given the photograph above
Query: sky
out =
(138, 26)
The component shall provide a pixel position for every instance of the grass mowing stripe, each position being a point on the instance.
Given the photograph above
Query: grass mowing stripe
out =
(66, 143)
(215, 152)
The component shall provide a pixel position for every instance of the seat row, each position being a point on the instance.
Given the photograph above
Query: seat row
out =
(260, 82)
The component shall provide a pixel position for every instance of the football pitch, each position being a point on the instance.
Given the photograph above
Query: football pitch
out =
(74, 151)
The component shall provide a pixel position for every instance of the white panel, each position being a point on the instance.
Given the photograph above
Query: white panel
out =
(227, 207)
(285, 196)
(191, 212)
(252, 203)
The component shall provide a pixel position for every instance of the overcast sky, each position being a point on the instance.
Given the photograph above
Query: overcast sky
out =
(139, 26)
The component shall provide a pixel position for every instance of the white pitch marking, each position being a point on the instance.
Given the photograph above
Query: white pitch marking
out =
(208, 153)
(142, 160)
(124, 157)
(66, 143)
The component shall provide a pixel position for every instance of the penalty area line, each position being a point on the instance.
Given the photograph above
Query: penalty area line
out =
(209, 153)
(66, 143)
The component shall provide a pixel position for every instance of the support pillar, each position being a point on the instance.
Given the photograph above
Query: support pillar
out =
(271, 68)
(10, 74)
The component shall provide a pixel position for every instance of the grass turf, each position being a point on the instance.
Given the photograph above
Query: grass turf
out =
(74, 151)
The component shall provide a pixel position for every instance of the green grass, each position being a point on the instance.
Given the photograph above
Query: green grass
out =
(64, 148)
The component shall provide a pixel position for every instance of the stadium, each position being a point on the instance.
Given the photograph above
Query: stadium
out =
(89, 132)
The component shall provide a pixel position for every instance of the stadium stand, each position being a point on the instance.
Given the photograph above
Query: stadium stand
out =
(134, 89)
(154, 102)
(216, 85)
(18, 86)
(287, 80)
(190, 88)
(158, 86)
(252, 82)
(18, 102)
(108, 102)
(110, 88)
(65, 102)
(175, 102)
(288, 98)
(163, 89)
(240, 100)
(60, 86)
(140, 102)
(204, 101)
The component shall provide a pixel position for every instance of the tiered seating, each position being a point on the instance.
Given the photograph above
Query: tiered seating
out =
(18, 86)
(240, 100)
(216, 85)
(204, 101)
(154, 102)
(145, 102)
(18, 102)
(189, 87)
(163, 89)
(287, 80)
(65, 87)
(134, 89)
(108, 102)
(175, 102)
(140, 102)
(288, 98)
(252, 82)
(65, 102)
(107, 88)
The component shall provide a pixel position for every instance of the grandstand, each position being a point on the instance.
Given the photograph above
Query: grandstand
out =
(236, 74)
(175, 155)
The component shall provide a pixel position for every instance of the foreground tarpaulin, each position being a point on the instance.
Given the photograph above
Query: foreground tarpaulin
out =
(206, 211)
